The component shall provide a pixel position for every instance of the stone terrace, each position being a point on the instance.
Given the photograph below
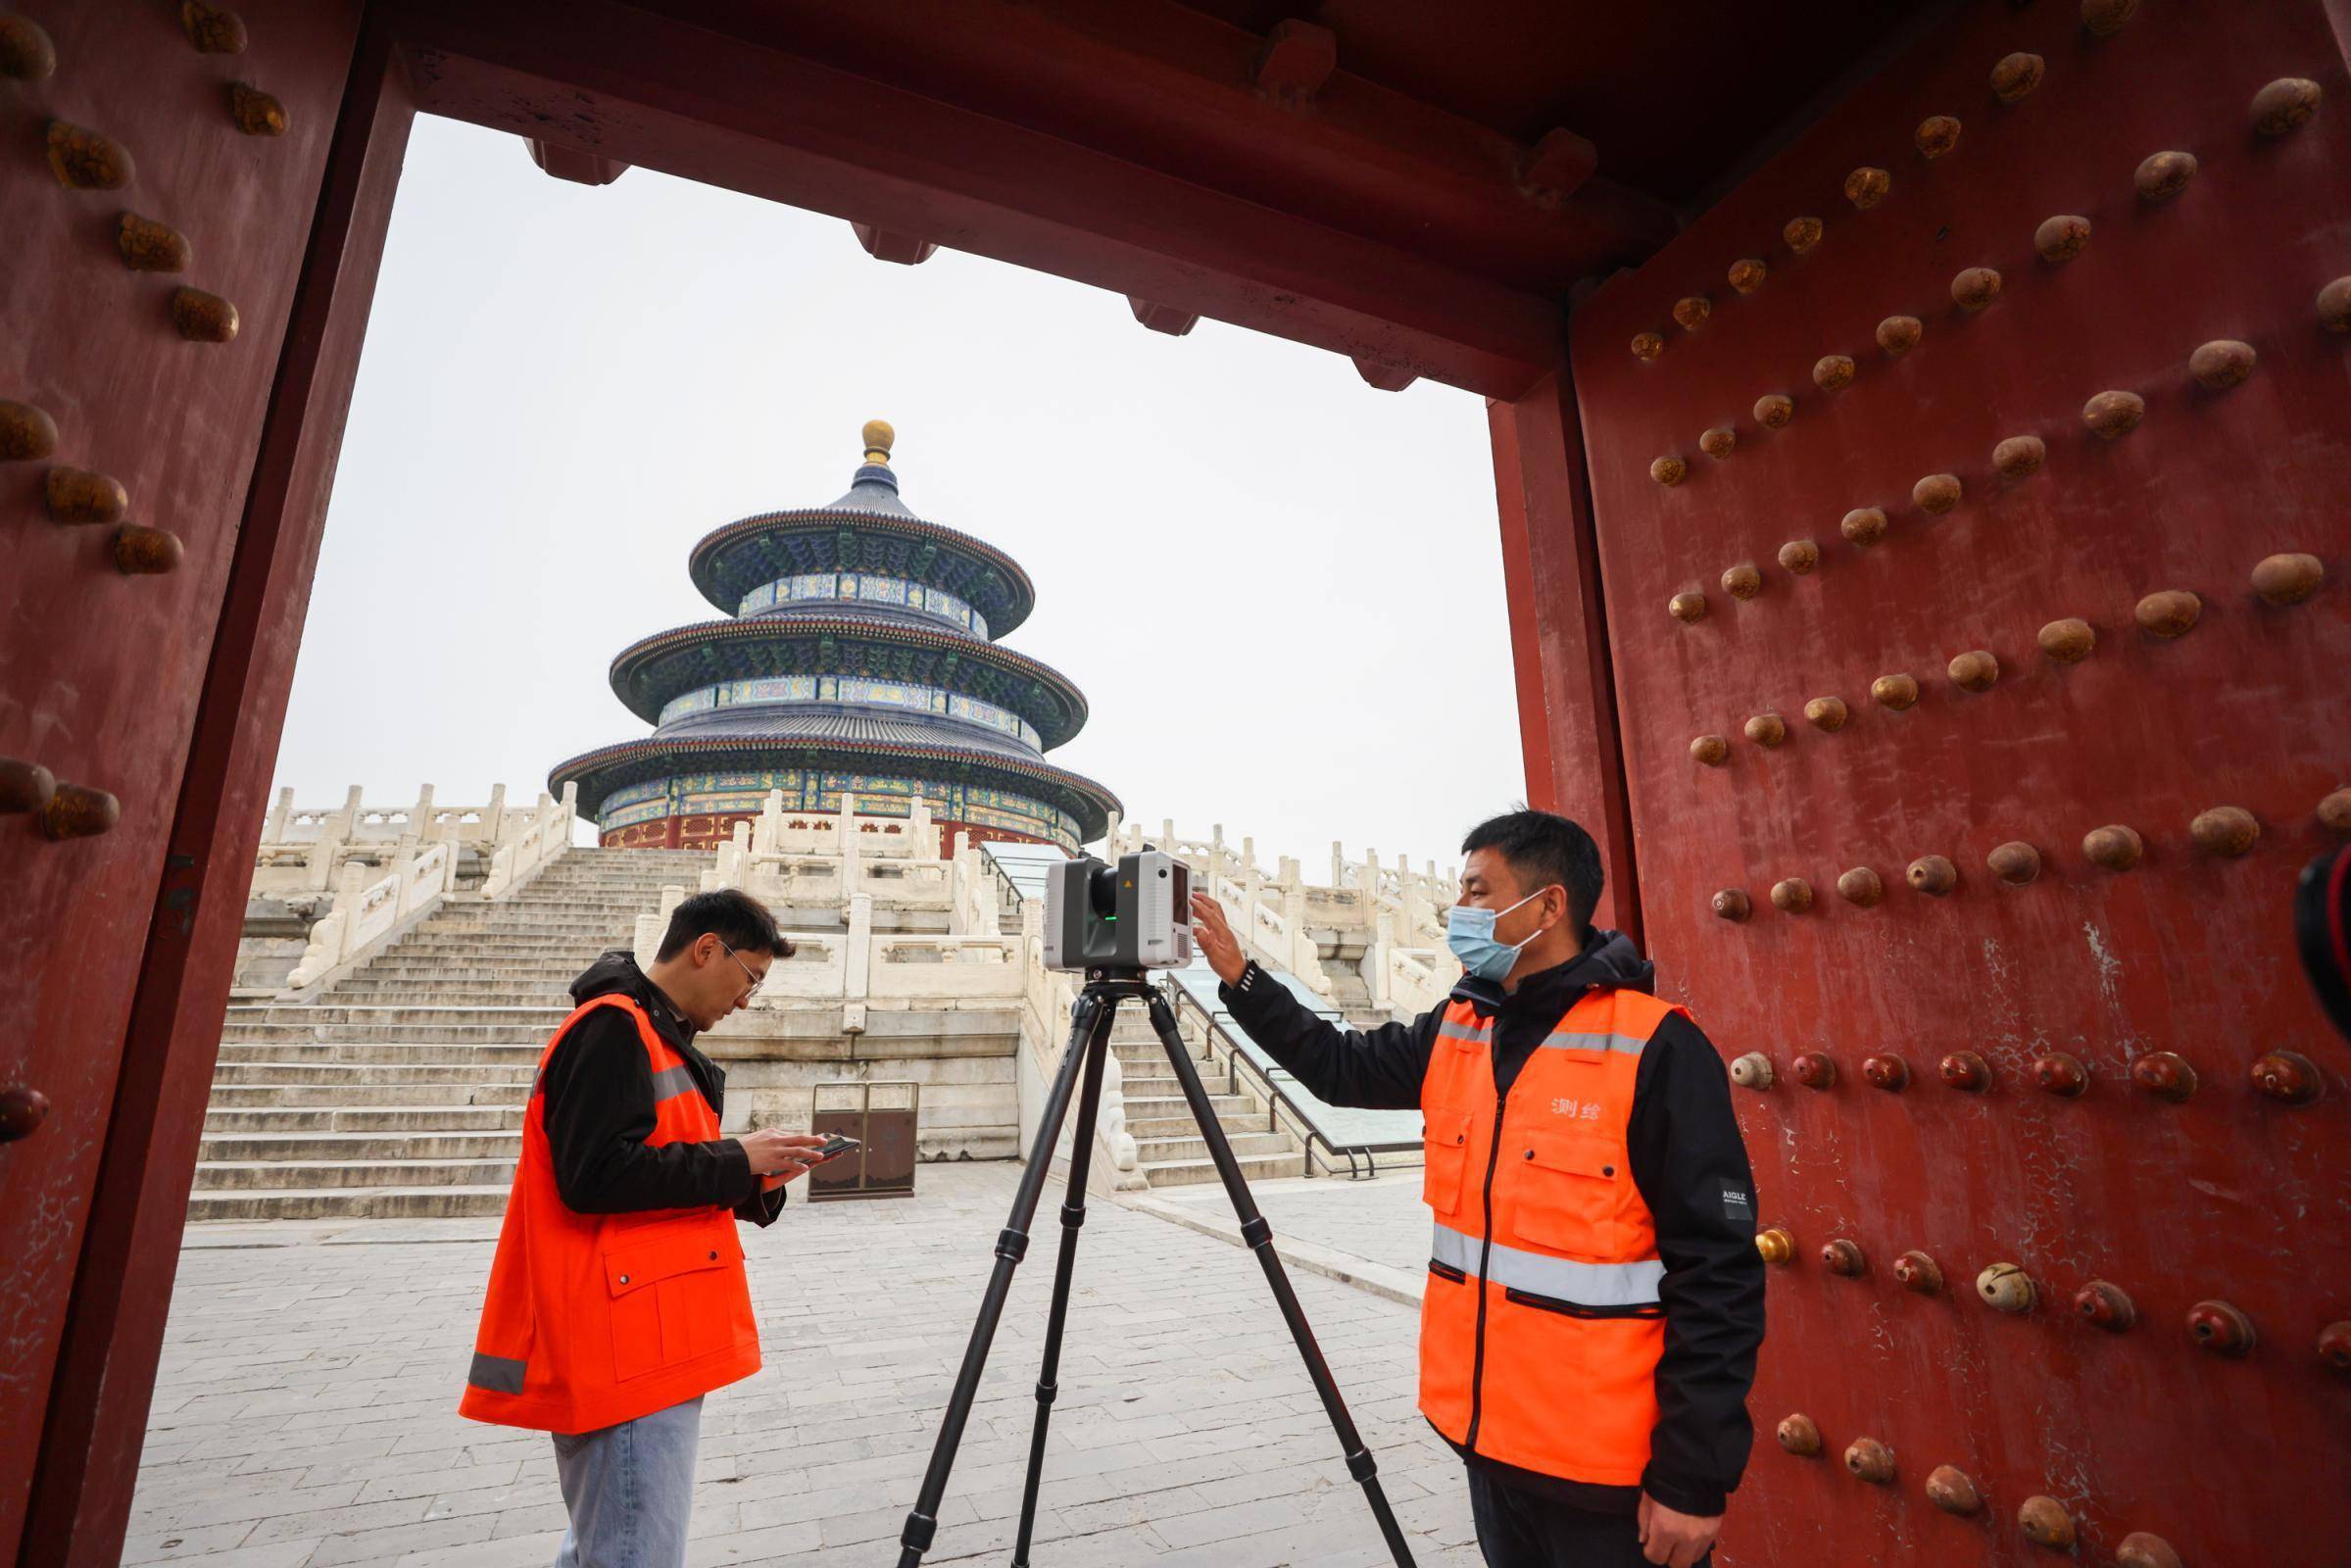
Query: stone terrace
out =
(305, 1410)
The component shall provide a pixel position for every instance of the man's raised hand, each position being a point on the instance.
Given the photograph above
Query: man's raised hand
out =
(1217, 944)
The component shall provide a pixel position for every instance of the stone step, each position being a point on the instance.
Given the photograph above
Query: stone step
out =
(432, 1034)
(1229, 1108)
(1146, 1055)
(1191, 1172)
(588, 924)
(426, 940)
(1156, 1079)
(1140, 1128)
(341, 1093)
(591, 854)
(576, 894)
(486, 1201)
(425, 960)
(599, 925)
(481, 985)
(573, 895)
(306, 1175)
(570, 896)
(687, 869)
(380, 1054)
(364, 1074)
(507, 950)
(371, 1119)
(410, 976)
(527, 995)
(544, 964)
(358, 1147)
(1248, 1146)
(415, 1010)
(475, 955)
(1150, 1088)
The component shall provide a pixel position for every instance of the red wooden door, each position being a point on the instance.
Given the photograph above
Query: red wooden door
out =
(100, 669)
(2230, 1195)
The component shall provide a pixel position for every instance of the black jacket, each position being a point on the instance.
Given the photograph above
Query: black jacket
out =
(1688, 1159)
(598, 1110)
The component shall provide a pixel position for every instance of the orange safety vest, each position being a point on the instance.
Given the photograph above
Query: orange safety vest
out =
(1541, 1328)
(595, 1320)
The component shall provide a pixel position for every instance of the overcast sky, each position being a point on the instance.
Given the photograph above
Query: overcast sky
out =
(1280, 590)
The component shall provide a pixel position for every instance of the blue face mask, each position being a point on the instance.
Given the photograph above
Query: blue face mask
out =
(1469, 932)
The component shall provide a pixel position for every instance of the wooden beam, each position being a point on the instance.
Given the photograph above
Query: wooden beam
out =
(1557, 167)
(1297, 59)
(884, 246)
(1427, 257)
(569, 162)
(1167, 86)
(1159, 319)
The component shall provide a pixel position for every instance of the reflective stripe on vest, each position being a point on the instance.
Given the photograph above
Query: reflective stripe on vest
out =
(1630, 1045)
(670, 1082)
(1542, 1324)
(595, 1320)
(1598, 1286)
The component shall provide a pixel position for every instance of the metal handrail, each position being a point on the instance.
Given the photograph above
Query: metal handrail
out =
(1237, 1059)
(1003, 881)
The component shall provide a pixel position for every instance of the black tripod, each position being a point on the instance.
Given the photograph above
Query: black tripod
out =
(1090, 1043)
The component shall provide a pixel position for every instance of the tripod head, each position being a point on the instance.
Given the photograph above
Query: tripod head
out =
(1117, 983)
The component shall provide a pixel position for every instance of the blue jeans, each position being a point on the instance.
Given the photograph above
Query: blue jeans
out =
(630, 1490)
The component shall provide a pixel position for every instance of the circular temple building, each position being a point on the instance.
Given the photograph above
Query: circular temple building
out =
(859, 658)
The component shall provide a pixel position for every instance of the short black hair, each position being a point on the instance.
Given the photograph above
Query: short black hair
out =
(1542, 848)
(735, 917)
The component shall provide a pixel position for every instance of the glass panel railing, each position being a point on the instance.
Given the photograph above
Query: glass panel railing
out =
(1365, 1142)
(1024, 865)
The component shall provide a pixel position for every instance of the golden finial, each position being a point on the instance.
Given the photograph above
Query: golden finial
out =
(879, 438)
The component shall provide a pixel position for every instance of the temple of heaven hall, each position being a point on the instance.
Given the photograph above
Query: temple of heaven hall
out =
(858, 658)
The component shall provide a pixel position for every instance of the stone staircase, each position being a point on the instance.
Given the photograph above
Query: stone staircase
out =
(400, 1093)
(1169, 1148)
(1341, 955)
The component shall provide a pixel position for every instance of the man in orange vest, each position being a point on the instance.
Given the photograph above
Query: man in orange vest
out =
(1595, 1299)
(617, 1296)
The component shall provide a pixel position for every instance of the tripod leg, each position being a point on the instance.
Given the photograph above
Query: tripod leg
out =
(1090, 1015)
(1259, 1236)
(1073, 1215)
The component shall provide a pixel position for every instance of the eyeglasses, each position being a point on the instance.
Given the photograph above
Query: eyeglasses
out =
(756, 980)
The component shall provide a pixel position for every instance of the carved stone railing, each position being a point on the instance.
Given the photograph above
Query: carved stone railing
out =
(368, 917)
(1273, 922)
(304, 849)
(845, 832)
(543, 833)
(1411, 981)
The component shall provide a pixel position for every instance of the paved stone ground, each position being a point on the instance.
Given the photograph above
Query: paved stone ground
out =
(1373, 1233)
(305, 1412)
